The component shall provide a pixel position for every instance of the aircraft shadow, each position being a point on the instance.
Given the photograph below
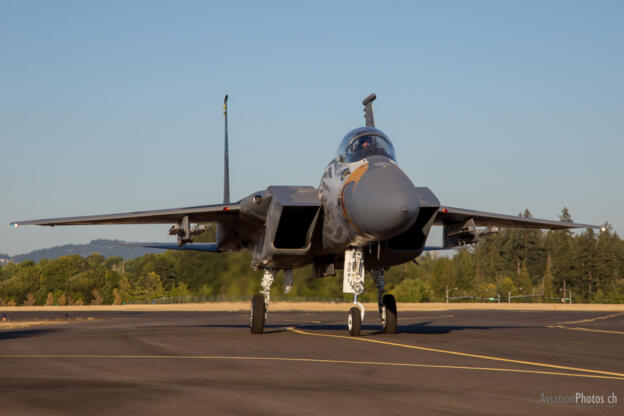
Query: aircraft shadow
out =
(416, 328)
(25, 333)
(427, 328)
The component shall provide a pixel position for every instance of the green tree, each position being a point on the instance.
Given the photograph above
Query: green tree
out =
(559, 246)
(583, 274)
(149, 287)
(412, 290)
(547, 287)
(180, 290)
(125, 290)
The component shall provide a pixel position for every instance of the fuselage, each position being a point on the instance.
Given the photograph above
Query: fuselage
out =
(366, 198)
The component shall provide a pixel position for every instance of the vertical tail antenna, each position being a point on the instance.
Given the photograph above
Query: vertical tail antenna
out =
(368, 110)
(226, 158)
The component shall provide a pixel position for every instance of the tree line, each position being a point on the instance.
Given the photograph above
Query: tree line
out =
(511, 263)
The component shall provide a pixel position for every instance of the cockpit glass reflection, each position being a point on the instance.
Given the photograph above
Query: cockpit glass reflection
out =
(368, 145)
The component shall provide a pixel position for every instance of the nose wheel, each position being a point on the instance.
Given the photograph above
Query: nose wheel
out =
(354, 321)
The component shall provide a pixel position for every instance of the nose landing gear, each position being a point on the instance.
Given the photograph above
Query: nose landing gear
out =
(354, 283)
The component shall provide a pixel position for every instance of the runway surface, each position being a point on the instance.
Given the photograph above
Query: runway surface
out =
(205, 363)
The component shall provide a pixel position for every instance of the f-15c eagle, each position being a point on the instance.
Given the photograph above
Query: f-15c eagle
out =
(366, 215)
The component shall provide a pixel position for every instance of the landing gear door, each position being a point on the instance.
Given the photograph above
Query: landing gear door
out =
(353, 281)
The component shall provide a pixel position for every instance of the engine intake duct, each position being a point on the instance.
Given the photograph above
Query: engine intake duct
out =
(292, 217)
(294, 224)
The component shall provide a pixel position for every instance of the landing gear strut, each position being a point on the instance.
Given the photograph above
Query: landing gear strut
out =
(354, 283)
(260, 303)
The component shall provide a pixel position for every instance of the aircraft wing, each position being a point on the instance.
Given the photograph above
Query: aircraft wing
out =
(450, 215)
(208, 247)
(199, 214)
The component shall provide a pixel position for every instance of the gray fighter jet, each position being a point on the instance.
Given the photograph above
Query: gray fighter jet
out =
(366, 215)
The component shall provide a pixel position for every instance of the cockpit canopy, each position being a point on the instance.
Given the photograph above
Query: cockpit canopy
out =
(363, 142)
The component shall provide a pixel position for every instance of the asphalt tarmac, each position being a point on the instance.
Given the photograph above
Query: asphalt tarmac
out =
(208, 363)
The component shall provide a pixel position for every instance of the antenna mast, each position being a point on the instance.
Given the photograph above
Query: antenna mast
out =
(226, 163)
(368, 110)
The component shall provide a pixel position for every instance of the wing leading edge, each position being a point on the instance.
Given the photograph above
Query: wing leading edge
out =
(204, 213)
(207, 247)
(450, 215)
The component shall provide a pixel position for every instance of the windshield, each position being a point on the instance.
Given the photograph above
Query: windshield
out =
(368, 145)
(364, 142)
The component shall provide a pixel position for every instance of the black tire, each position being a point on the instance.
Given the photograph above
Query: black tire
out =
(354, 322)
(390, 312)
(258, 311)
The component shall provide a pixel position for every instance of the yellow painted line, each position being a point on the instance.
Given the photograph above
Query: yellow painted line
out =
(564, 325)
(583, 321)
(578, 328)
(463, 354)
(305, 360)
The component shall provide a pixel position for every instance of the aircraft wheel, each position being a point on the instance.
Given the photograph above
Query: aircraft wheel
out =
(389, 314)
(354, 321)
(258, 310)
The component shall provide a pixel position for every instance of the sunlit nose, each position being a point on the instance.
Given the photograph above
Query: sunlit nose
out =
(382, 202)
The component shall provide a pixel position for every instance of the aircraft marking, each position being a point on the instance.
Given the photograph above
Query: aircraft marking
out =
(344, 174)
(355, 177)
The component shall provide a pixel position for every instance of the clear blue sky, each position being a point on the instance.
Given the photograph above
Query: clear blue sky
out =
(116, 106)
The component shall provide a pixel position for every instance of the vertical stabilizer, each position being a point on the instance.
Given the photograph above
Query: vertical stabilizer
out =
(368, 110)
(226, 158)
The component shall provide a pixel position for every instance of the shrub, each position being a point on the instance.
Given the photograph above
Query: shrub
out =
(50, 299)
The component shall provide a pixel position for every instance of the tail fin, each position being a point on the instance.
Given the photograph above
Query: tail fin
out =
(368, 110)
(226, 159)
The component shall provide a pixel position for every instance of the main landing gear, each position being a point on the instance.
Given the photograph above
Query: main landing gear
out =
(387, 304)
(260, 303)
(354, 283)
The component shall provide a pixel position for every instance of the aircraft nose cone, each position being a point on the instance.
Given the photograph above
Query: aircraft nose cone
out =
(382, 201)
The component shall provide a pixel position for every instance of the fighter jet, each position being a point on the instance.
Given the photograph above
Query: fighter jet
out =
(365, 216)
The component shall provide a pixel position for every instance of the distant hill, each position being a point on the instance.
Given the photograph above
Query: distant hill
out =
(107, 248)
